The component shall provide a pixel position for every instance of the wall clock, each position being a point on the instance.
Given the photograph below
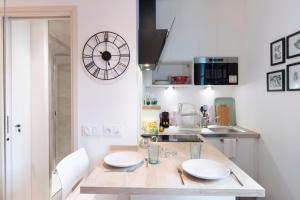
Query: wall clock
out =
(106, 55)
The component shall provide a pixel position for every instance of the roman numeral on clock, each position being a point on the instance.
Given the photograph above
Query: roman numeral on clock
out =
(122, 64)
(115, 39)
(90, 65)
(87, 56)
(116, 71)
(105, 75)
(97, 39)
(96, 72)
(106, 37)
(124, 55)
(123, 45)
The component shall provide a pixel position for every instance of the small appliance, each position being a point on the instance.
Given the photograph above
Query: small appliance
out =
(216, 70)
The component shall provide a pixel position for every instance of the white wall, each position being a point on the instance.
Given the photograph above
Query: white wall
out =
(98, 103)
(274, 115)
(202, 28)
(169, 99)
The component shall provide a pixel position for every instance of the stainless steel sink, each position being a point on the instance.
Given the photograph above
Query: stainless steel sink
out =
(223, 130)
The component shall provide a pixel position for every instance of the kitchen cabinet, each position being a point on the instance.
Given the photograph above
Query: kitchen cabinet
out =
(161, 77)
(246, 155)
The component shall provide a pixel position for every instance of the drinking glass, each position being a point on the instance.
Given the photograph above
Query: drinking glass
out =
(195, 150)
(153, 153)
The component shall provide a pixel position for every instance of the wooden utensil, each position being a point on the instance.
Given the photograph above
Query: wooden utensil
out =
(230, 102)
(223, 113)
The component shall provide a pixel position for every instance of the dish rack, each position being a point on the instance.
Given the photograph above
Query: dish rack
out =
(188, 116)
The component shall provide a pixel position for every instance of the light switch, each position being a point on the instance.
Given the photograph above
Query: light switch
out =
(92, 130)
(86, 130)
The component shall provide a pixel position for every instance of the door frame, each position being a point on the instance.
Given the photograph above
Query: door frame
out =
(39, 12)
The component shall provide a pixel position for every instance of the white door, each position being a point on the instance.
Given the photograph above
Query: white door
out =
(20, 110)
(29, 109)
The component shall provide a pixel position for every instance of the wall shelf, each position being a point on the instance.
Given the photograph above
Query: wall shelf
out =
(151, 108)
(172, 85)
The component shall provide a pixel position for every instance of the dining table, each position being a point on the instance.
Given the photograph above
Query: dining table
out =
(163, 179)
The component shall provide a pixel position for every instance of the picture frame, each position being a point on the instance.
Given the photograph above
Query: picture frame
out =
(277, 51)
(293, 77)
(276, 81)
(293, 45)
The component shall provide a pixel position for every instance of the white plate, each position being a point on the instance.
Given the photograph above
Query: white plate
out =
(123, 159)
(205, 169)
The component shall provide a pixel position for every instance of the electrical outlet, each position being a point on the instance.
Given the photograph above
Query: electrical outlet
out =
(112, 130)
(102, 131)
(116, 130)
(106, 131)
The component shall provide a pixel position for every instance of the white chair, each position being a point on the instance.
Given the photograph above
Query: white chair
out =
(71, 170)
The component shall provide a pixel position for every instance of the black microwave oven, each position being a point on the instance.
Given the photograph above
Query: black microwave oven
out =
(216, 71)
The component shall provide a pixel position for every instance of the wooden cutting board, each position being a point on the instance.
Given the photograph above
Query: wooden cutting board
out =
(223, 112)
(225, 109)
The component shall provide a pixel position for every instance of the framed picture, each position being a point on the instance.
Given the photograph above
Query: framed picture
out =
(276, 81)
(293, 76)
(293, 45)
(277, 49)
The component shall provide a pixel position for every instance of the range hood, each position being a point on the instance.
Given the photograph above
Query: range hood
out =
(151, 40)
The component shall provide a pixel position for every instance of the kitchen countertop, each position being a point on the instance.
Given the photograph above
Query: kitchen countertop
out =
(163, 179)
(206, 132)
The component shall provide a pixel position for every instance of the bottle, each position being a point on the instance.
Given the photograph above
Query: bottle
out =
(161, 128)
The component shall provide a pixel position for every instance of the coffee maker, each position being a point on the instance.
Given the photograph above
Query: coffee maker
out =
(165, 119)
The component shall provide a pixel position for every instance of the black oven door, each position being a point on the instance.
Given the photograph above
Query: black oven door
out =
(215, 73)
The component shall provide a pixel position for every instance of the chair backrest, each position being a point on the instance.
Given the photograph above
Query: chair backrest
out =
(72, 169)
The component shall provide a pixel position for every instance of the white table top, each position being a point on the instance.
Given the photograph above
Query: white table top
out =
(163, 178)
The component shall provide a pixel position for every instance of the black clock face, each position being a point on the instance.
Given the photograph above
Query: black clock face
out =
(106, 55)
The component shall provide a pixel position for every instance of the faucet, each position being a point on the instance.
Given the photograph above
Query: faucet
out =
(205, 121)
(204, 118)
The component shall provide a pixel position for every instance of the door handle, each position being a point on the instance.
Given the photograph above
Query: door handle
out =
(18, 126)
